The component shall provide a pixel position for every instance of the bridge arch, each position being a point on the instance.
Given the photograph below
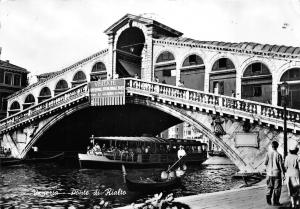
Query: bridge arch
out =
(78, 78)
(192, 71)
(61, 86)
(165, 67)
(14, 108)
(29, 101)
(45, 94)
(172, 111)
(129, 47)
(98, 72)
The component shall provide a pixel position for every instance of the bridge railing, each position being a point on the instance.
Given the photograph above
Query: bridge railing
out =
(49, 104)
(240, 107)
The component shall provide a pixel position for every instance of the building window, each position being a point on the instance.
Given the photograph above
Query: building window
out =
(17, 80)
(256, 68)
(257, 92)
(8, 78)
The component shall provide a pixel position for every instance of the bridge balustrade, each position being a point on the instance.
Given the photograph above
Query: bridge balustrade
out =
(239, 107)
(47, 105)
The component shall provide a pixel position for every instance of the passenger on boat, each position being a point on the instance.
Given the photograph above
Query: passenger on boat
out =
(181, 152)
(97, 149)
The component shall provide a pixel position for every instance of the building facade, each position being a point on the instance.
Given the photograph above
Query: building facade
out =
(12, 79)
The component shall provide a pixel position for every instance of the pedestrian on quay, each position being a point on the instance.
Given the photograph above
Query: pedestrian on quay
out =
(292, 166)
(275, 173)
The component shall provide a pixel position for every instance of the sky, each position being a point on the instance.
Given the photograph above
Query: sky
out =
(49, 35)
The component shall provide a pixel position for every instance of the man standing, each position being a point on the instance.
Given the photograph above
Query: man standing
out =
(275, 171)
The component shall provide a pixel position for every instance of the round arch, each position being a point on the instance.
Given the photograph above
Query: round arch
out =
(29, 101)
(14, 108)
(98, 72)
(292, 77)
(192, 72)
(78, 78)
(178, 114)
(222, 76)
(165, 67)
(256, 82)
(61, 86)
(129, 48)
(45, 94)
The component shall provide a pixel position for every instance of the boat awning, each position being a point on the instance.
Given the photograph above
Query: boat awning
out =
(130, 67)
(134, 139)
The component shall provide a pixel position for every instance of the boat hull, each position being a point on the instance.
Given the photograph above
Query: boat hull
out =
(93, 161)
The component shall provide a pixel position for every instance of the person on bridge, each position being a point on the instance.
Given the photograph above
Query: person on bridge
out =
(292, 166)
(275, 173)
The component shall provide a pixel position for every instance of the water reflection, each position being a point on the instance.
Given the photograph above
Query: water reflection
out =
(56, 186)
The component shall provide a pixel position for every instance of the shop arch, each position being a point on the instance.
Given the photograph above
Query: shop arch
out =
(222, 78)
(45, 94)
(292, 77)
(61, 86)
(192, 72)
(79, 78)
(29, 101)
(98, 72)
(14, 108)
(165, 68)
(257, 83)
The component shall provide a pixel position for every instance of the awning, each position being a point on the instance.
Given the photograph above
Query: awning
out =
(133, 139)
(130, 67)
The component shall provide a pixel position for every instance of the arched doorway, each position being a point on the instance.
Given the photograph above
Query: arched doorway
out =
(257, 83)
(61, 86)
(14, 108)
(192, 72)
(79, 78)
(130, 45)
(98, 72)
(29, 101)
(44, 94)
(222, 78)
(165, 68)
(292, 77)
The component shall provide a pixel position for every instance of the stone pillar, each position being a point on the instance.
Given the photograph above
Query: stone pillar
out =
(147, 56)
(238, 87)
(111, 56)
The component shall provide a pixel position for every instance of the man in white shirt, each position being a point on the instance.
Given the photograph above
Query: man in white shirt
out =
(181, 152)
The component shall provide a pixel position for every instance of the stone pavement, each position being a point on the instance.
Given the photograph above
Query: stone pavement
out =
(244, 198)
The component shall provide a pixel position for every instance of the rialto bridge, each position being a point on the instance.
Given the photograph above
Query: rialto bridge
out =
(233, 85)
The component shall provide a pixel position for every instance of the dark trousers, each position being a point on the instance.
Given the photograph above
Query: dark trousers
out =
(274, 184)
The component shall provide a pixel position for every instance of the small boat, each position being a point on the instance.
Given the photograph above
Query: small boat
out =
(162, 152)
(14, 161)
(152, 184)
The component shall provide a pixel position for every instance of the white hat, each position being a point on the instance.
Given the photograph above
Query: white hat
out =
(293, 144)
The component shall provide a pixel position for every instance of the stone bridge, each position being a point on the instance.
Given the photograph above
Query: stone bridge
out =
(231, 93)
(242, 120)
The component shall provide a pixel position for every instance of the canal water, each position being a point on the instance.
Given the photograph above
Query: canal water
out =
(52, 185)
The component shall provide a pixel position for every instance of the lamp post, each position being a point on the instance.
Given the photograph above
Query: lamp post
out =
(284, 90)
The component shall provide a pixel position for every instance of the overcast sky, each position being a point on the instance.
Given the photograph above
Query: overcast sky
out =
(48, 35)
